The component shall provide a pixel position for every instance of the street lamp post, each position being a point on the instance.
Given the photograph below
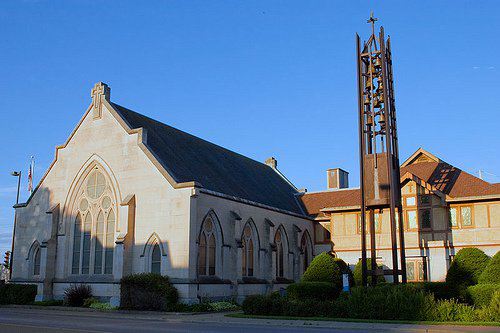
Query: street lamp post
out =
(18, 175)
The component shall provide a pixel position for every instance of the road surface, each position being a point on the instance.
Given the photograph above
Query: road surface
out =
(25, 320)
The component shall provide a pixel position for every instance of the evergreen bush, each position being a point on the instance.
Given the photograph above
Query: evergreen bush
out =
(480, 295)
(323, 268)
(491, 273)
(147, 291)
(11, 293)
(320, 291)
(466, 267)
(344, 269)
(358, 273)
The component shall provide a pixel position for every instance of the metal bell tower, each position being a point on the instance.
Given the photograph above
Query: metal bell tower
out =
(379, 155)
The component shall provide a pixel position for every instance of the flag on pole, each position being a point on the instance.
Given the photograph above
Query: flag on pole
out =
(30, 175)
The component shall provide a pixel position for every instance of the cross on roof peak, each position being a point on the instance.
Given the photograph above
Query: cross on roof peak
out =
(372, 21)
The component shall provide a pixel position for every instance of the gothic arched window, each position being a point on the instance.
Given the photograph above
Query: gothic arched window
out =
(247, 260)
(94, 228)
(156, 259)
(280, 255)
(207, 249)
(36, 261)
(306, 251)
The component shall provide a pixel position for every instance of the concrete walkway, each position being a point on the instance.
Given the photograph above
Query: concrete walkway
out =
(58, 319)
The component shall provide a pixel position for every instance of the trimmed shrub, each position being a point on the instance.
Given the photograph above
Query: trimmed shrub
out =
(480, 295)
(76, 294)
(344, 269)
(320, 291)
(323, 269)
(147, 291)
(466, 268)
(491, 273)
(358, 273)
(11, 293)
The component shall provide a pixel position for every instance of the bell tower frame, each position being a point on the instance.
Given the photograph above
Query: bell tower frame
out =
(379, 153)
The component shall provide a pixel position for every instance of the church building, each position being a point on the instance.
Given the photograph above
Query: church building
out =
(128, 194)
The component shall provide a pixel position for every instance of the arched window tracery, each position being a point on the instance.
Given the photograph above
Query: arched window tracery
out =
(306, 251)
(247, 260)
(94, 226)
(207, 247)
(280, 254)
(36, 261)
(156, 259)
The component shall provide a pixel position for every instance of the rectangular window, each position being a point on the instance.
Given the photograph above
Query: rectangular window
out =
(411, 219)
(378, 224)
(322, 234)
(415, 270)
(425, 199)
(466, 213)
(425, 218)
(410, 201)
(453, 217)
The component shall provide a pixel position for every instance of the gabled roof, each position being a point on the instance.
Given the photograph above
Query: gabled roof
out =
(316, 201)
(450, 182)
(188, 158)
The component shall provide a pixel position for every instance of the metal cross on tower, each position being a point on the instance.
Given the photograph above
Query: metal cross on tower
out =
(379, 154)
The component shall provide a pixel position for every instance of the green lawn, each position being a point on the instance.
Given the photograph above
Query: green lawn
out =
(476, 323)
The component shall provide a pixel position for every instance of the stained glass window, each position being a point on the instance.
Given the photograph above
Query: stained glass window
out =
(453, 217)
(466, 213)
(36, 262)
(412, 219)
(156, 259)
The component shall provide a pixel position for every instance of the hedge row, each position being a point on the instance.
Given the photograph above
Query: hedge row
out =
(320, 291)
(385, 302)
(17, 293)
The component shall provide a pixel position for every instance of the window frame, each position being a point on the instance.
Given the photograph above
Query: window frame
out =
(407, 222)
(327, 235)
(378, 223)
(210, 250)
(248, 252)
(421, 275)
(153, 261)
(460, 224)
(37, 262)
(93, 209)
(421, 219)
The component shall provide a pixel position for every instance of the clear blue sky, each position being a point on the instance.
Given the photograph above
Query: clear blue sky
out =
(263, 78)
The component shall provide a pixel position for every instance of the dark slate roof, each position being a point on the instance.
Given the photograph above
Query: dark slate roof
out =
(189, 158)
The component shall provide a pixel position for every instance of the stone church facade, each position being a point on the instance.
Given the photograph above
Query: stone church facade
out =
(127, 194)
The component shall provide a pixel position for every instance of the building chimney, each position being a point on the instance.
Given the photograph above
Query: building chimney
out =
(272, 162)
(337, 178)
